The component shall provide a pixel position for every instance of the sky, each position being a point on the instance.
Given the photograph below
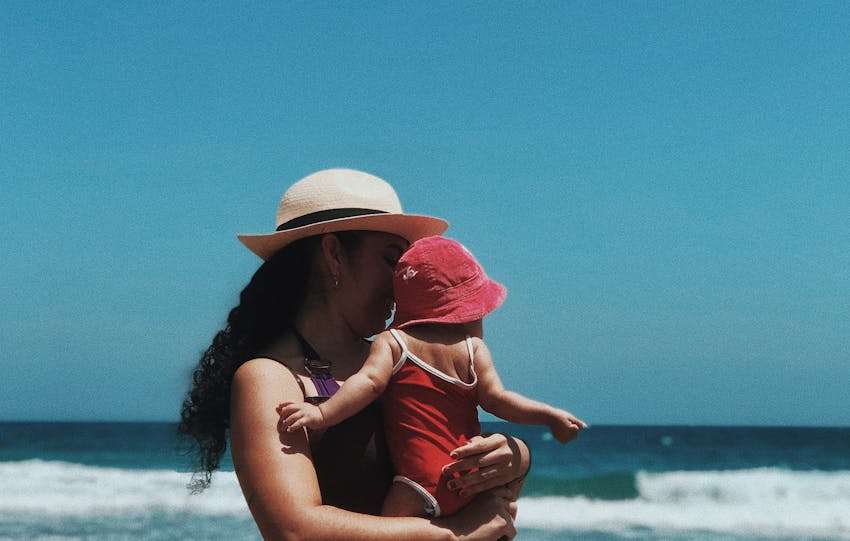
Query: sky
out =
(664, 188)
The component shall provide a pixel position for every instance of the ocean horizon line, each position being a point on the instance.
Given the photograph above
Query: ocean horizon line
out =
(483, 421)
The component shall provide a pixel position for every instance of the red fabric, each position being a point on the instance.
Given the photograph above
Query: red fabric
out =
(437, 280)
(425, 418)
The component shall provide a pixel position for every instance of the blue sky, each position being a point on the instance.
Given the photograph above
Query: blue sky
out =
(663, 187)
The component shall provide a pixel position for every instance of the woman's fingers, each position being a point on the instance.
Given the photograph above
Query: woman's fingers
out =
(461, 465)
(493, 465)
(478, 445)
(481, 474)
(508, 513)
(493, 458)
(510, 529)
(481, 452)
(505, 510)
(475, 482)
(487, 517)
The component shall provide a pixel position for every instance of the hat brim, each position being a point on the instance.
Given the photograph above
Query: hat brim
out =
(487, 299)
(411, 227)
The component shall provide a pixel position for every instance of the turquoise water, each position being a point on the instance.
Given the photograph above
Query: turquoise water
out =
(113, 481)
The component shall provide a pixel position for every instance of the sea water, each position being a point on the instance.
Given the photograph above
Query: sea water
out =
(114, 481)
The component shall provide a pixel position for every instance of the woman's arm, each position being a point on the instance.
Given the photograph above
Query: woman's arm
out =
(278, 478)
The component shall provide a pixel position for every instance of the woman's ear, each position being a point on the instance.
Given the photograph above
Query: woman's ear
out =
(333, 256)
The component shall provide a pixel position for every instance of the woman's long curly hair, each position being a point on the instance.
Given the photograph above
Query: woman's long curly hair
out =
(266, 309)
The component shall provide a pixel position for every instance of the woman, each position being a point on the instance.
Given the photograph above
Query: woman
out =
(296, 334)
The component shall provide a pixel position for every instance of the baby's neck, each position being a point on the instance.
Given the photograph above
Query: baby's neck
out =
(438, 333)
(443, 347)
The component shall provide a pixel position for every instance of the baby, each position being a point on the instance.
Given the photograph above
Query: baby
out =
(433, 369)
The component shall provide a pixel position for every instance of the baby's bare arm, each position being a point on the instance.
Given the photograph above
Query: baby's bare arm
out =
(509, 405)
(362, 388)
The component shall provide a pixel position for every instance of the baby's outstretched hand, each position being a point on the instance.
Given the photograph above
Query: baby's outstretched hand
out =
(565, 426)
(294, 416)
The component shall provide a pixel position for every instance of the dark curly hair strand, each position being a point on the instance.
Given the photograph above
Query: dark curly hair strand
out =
(266, 309)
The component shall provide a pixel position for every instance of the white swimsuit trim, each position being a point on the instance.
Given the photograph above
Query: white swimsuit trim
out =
(407, 354)
(432, 508)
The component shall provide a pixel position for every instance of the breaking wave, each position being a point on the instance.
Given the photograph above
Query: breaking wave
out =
(762, 502)
(766, 502)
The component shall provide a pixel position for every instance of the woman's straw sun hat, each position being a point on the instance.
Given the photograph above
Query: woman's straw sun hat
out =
(340, 200)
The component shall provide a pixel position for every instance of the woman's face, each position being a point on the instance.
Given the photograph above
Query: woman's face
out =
(368, 295)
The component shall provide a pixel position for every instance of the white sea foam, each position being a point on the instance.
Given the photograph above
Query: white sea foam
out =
(763, 502)
(61, 488)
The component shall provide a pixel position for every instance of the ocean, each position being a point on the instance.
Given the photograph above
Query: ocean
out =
(117, 481)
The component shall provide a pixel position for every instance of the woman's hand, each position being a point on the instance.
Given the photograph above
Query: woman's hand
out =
(487, 462)
(487, 517)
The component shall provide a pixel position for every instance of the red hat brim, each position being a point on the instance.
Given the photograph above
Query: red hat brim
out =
(469, 308)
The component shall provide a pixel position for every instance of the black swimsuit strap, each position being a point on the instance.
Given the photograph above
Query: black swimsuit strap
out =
(297, 380)
(315, 400)
(319, 371)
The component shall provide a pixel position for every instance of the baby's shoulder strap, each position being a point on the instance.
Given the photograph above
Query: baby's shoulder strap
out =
(400, 340)
(404, 351)
(470, 349)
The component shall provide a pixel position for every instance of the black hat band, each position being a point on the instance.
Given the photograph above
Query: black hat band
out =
(326, 215)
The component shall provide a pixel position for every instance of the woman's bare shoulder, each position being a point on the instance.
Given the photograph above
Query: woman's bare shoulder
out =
(259, 386)
(274, 469)
(262, 382)
(261, 367)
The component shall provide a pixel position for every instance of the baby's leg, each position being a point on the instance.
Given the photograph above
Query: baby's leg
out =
(403, 500)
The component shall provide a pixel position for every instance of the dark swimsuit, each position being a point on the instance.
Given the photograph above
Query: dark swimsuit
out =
(351, 459)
